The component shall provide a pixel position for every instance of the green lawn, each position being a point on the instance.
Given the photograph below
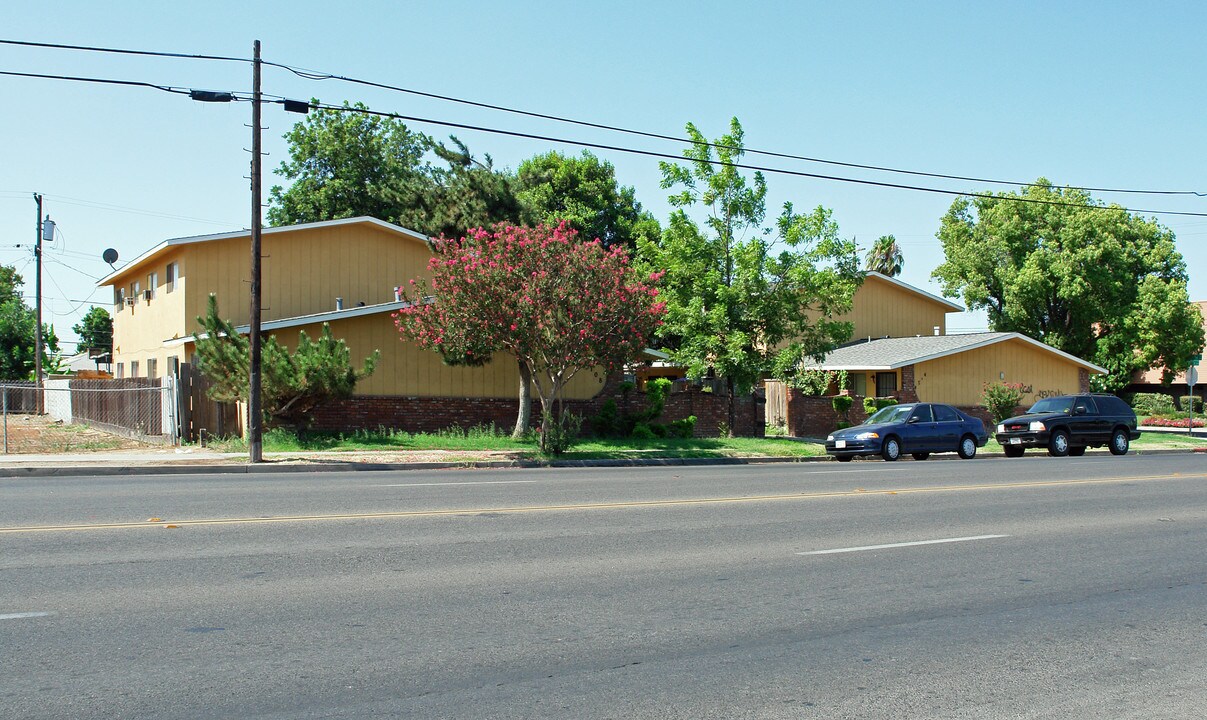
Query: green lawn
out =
(488, 440)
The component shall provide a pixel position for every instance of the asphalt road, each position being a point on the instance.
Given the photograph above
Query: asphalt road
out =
(1062, 588)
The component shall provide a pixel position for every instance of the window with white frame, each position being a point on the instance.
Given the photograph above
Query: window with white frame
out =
(171, 273)
(152, 284)
(133, 368)
(119, 370)
(152, 368)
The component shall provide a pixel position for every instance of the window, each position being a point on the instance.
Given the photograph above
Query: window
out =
(886, 384)
(152, 284)
(1085, 405)
(858, 384)
(135, 290)
(945, 414)
(171, 272)
(174, 366)
(119, 370)
(922, 414)
(152, 368)
(133, 368)
(119, 297)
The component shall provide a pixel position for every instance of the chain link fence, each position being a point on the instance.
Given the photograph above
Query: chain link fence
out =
(88, 414)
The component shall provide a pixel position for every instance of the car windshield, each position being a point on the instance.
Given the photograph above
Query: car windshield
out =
(1053, 405)
(890, 414)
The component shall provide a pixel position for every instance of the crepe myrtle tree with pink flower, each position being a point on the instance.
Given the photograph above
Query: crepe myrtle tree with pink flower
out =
(558, 304)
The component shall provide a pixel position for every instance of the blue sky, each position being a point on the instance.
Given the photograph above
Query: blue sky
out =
(1104, 94)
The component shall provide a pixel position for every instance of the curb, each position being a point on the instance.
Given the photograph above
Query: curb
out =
(275, 468)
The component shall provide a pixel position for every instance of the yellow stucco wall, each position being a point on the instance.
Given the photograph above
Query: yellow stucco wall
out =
(882, 308)
(959, 379)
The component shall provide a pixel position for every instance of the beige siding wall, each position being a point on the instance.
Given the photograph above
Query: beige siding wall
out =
(405, 369)
(139, 330)
(304, 271)
(959, 379)
(882, 308)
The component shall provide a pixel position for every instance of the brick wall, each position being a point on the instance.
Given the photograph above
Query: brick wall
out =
(815, 417)
(429, 414)
(1083, 380)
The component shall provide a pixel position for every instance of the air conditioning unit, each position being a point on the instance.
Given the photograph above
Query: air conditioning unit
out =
(147, 295)
(130, 301)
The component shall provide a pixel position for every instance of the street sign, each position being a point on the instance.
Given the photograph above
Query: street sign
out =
(1196, 360)
(1192, 376)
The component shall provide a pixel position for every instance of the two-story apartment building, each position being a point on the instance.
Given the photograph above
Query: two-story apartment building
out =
(342, 272)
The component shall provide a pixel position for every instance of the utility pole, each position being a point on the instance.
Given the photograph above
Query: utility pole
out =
(38, 305)
(255, 446)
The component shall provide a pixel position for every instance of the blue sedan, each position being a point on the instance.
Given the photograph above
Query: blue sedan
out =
(917, 428)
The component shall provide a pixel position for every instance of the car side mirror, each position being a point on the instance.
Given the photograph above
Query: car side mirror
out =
(1079, 411)
(913, 420)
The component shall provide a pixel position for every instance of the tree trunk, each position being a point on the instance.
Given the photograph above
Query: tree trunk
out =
(523, 419)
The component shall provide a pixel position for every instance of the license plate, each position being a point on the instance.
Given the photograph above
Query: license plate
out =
(840, 443)
(1016, 441)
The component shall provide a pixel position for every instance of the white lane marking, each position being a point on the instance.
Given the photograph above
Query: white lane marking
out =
(451, 484)
(904, 544)
(19, 616)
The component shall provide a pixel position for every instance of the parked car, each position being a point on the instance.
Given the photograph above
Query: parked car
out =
(915, 428)
(1068, 424)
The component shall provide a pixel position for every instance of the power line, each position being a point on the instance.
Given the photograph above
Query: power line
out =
(104, 81)
(121, 51)
(743, 166)
(317, 75)
(312, 75)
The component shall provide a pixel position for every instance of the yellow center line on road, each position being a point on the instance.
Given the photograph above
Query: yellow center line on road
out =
(859, 492)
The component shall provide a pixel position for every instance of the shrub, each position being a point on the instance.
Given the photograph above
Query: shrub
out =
(641, 431)
(684, 428)
(559, 434)
(606, 423)
(1190, 403)
(872, 404)
(1173, 422)
(842, 404)
(1152, 404)
(1001, 399)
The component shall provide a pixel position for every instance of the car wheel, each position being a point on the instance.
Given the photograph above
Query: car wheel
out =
(1012, 451)
(1120, 442)
(920, 456)
(843, 458)
(1058, 444)
(892, 449)
(967, 449)
(1077, 451)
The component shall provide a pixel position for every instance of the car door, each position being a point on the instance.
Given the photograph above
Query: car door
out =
(1085, 424)
(948, 427)
(922, 432)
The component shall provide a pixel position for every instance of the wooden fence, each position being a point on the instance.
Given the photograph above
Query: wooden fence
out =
(201, 417)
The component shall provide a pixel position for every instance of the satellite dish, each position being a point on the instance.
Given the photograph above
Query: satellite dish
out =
(109, 256)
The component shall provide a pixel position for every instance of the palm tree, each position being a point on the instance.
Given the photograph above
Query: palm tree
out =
(885, 256)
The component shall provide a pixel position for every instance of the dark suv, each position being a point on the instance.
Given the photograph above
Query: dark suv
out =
(1068, 424)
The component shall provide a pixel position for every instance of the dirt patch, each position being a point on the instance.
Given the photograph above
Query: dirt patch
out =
(38, 434)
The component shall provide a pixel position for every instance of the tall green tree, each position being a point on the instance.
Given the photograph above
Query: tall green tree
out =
(17, 332)
(742, 297)
(468, 193)
(583, 192)
(1092, 280)
(293, 384)
(347, 164)
(885, 257)
(95, 331)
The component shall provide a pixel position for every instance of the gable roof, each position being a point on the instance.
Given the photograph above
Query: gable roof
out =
(194, 239)
(894, 353)
(951, 307)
